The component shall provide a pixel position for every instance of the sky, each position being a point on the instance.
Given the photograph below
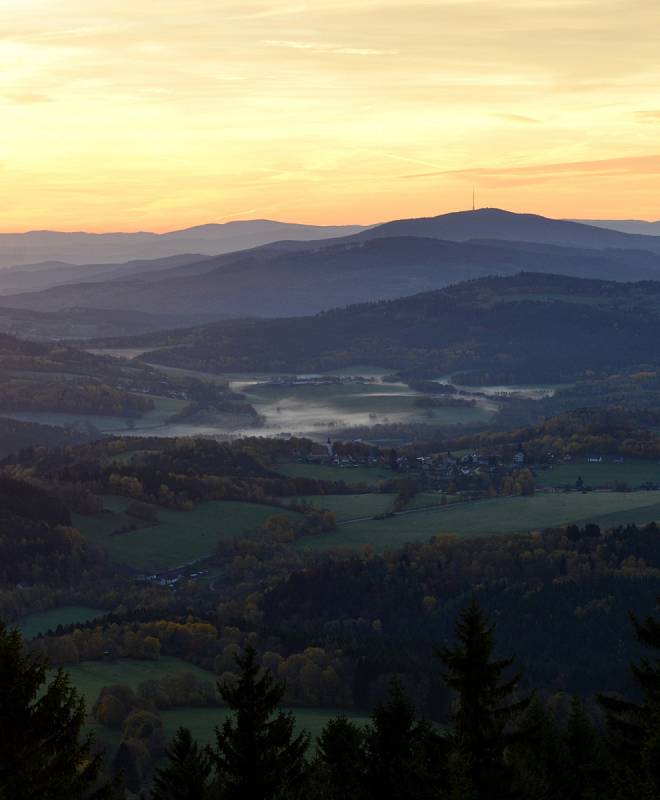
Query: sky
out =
(159, 114)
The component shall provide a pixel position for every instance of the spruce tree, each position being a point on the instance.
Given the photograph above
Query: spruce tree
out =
(584, 766)
(42, 753)
(634, 728)
(484, 708)
(537, 758)
(340, 761)
(258, 756)
(404, 755)
(187, 774)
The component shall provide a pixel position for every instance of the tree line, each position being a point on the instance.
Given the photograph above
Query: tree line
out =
(498, 741)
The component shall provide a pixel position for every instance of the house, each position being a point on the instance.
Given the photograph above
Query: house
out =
(519, 458)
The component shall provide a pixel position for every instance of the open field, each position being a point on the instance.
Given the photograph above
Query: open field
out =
(307, 409)
(493, 517)
(90, 677)
(328, 472)
(178, 537)
(322, 407)
(634, 472)
(530, 391)
(430, 499)
(43, 621)
(351, 506)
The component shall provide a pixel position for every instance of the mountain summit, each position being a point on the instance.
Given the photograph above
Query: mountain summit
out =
(495, 223)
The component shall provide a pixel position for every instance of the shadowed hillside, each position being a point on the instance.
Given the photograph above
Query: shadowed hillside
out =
(530, 324)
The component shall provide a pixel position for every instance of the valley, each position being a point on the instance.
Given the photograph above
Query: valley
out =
(420, 420)
(329, 400)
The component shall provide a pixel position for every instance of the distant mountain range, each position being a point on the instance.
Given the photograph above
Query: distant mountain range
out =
(494, 223)
(36, 277)
(625, 225)
(86, 248)
(294, 278)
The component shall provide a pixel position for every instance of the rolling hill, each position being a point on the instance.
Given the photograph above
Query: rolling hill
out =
(287, 280)
(495, 223)
(44, 275)
(294, 278)
(86, 248)
(534, 326)
(640, 226)
(84, 323)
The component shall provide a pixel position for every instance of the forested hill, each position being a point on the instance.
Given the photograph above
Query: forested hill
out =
(294, 278)
(534, 326)
(496, 223)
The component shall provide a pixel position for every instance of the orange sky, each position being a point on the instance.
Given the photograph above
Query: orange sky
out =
(159, 114)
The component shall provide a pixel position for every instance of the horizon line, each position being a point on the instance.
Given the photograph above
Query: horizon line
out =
(165, 231)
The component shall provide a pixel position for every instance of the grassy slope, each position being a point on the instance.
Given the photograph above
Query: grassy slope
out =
(430, 499)
(42, 621)
(492, 517)
(350, 506)
(178, 538)
(90, 677)
(633, 471)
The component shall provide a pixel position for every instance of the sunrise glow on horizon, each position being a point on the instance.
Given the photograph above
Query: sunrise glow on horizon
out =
(162, 114)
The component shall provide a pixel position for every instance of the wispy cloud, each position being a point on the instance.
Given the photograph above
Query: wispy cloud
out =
(25, 98)
(327, 47)
(162, 109)
(541, 173)
(520, 118)
(649, 115)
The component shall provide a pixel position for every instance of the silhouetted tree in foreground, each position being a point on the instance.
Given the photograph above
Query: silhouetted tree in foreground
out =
(187, 775)
(42, 753)
(340, 765)
(258, 756)
(634, 728)
(402, 752)
(484, 711)
(496, 746)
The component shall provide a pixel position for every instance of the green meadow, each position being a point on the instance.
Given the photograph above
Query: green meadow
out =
(177, 538)
(324, 407)
(492, 517)
(430, 500)
(634, 472)
(43, 621)
(350, 506)
(90, 677)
